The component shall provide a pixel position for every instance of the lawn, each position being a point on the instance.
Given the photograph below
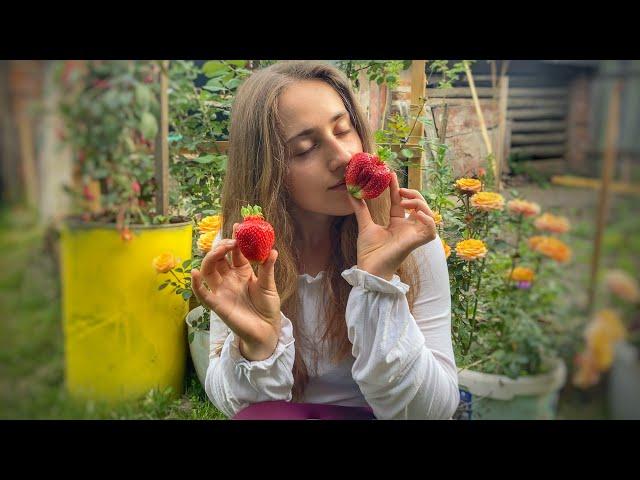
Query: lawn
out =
(31, 340)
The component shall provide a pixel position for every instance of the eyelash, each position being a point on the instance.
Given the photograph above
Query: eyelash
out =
(311, 149)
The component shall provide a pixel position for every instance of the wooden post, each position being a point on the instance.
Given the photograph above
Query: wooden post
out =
(613, 121)
(483, 126)
(418, 93)
(503, 96)
(162, 144)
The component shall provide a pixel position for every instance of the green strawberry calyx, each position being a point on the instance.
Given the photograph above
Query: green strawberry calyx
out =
(251, 211)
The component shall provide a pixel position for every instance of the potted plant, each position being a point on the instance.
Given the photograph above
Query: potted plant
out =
(612, 344)
(505, 288)
(118, 343)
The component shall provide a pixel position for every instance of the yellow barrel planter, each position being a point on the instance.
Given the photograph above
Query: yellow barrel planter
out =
(123, 336)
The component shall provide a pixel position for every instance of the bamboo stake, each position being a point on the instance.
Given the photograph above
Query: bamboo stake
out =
(418, 93)
(483, 126)
(607, 174)
(162, 144)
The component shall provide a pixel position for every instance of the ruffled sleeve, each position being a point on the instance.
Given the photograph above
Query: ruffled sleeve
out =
(233, 382)
(404, 362)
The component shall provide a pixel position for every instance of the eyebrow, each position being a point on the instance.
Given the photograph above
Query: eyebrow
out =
(311, 130)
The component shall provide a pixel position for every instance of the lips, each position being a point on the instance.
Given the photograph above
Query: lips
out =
(337, 185)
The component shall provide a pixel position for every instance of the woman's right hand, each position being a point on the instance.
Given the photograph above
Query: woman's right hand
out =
(249, 305)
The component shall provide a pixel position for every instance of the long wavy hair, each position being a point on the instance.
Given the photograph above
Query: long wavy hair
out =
(256, 174)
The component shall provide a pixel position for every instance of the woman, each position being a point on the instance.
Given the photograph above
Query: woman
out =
(350, 315)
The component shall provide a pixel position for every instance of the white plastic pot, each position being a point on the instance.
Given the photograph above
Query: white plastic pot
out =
(624, 383)
(200, 346)
(485, 396)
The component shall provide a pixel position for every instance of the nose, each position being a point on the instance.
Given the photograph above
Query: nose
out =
(340, 155)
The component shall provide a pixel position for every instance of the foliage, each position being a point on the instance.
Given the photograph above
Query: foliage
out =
(379, 71)
(499, 325)
(109, 111)
(199, 119)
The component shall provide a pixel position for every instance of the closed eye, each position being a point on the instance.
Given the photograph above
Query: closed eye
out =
(307, 151)
(344, 133)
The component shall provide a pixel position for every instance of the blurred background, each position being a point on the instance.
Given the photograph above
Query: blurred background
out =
(104, 142)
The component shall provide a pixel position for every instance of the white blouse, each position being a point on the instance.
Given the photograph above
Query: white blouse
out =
(403, 365)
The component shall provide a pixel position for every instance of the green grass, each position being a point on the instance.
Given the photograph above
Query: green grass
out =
(31, 340)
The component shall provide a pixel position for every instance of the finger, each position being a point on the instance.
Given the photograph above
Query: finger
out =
(198, 288)
(237, 258)
(424, 218)
(266, 277)
(417, 205)
(211, 258)
(361, 211)
(394, 188)
(411, 193)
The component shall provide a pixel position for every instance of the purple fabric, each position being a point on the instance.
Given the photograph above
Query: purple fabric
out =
(282, 410)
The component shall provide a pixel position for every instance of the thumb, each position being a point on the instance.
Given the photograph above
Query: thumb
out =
(266, 276)
(361, 211)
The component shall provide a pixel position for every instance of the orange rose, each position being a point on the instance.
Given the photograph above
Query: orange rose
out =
(210, 224)
(623, 285)
(487, 201)
(206, 240)
(522, 274)
(552, 223)
(551, 247)
(524, 208)
(447, 248)
(471, 249)
(468, 185)
(164, 262)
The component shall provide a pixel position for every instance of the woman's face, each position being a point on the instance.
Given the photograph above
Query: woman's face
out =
(321, 140)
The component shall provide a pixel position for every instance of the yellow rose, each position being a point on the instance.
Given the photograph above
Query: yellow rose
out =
(524, 208)
(522, 274)
(471, 249)
(552, 223)
(205, 241)
(611, 323)
(487, 201)
(623, 285)
(211, 223)
(447, 248)
(551, 247)
(600, 346)
(438, 218)
(164, 262)
(468, 185)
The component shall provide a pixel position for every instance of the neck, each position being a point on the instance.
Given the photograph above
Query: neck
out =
(313, 240)
(313, 229)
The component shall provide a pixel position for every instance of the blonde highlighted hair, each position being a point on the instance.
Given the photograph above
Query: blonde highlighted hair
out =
(256, 174)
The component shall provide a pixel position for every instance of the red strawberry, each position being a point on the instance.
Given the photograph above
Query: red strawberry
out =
(367, 176)
(255, 235)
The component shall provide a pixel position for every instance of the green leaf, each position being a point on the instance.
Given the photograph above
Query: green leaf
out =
(179, 270)
(237, 63)
(144, 96)
(204, 159)
(407, 152)
(186, 294)
(186, 264)
(164, 285)
(212, 67)
(191, 337)
(148, 125)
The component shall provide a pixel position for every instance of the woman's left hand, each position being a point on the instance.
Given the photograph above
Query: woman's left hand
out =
(381, 250)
